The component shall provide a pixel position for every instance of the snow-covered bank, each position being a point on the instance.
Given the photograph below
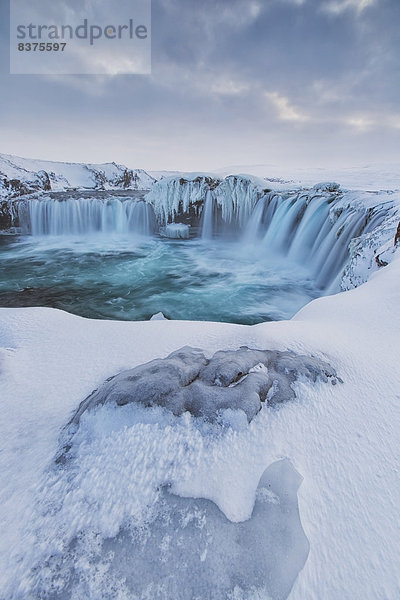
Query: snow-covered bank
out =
(343, 440)
(371, 177)
(20, 176)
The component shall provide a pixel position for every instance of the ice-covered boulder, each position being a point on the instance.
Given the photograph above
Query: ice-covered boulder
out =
(176, 231)
(158, 317)
(232, 379)
(326, 186)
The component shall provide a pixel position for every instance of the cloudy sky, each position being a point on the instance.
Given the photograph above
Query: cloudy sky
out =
(234, 82)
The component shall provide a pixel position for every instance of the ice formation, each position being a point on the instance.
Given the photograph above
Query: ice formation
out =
(188, 549)
(236, 197)
(187, 381)
(173, 196)
(176, 231)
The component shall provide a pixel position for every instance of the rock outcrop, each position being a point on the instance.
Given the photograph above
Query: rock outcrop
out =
(232, 379)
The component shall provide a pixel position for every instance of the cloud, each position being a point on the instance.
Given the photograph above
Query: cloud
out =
(228, 87)
(362, 123)
(233, 81)
(339, 6)
(285, 110)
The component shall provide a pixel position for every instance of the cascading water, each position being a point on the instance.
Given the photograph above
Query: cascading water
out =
(306, 230)
(78, 216)
(260, 254)
(207, 217)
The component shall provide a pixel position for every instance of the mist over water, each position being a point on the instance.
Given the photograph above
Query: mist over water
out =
(117, 277)
(250, 256)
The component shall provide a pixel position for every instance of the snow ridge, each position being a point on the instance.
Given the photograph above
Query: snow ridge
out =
(20, 176)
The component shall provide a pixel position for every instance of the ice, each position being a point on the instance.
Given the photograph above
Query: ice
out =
(176, 231)
(188, 549)
(370, 251)
(158, 317)
(186, 381)
(236, 196)
(317, 227)
(327, 186)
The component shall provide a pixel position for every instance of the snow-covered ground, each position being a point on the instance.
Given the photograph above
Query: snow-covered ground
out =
(25, 175)
(41, 175)
(368, 177)
(342, 439)
(75, 528)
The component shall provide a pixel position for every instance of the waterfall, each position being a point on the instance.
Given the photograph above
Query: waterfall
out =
(235, 197)
(311, 230)
(207, 217)
(78, 216)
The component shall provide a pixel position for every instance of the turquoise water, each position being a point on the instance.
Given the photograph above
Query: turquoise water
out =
(127, 278)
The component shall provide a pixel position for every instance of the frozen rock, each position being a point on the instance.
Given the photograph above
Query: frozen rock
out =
(327, 186)
(371, 251)
(187, 381)
(158, 317)
(176, 231)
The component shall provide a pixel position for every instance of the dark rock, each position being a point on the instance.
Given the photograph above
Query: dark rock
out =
(5, 215)
(397, 236)
(381, 263)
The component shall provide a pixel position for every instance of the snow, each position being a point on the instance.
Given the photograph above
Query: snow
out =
(368, 250)
(128, 471)
(158, 317)
(370, 177)
(191, 534)
(342, 439)
(64, 176)
(176, 231)
(186, 381)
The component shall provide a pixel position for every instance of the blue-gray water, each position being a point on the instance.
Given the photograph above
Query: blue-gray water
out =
(132, 278)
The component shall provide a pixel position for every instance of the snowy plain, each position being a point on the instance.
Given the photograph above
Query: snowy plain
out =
(342, 439)
(367, 177)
